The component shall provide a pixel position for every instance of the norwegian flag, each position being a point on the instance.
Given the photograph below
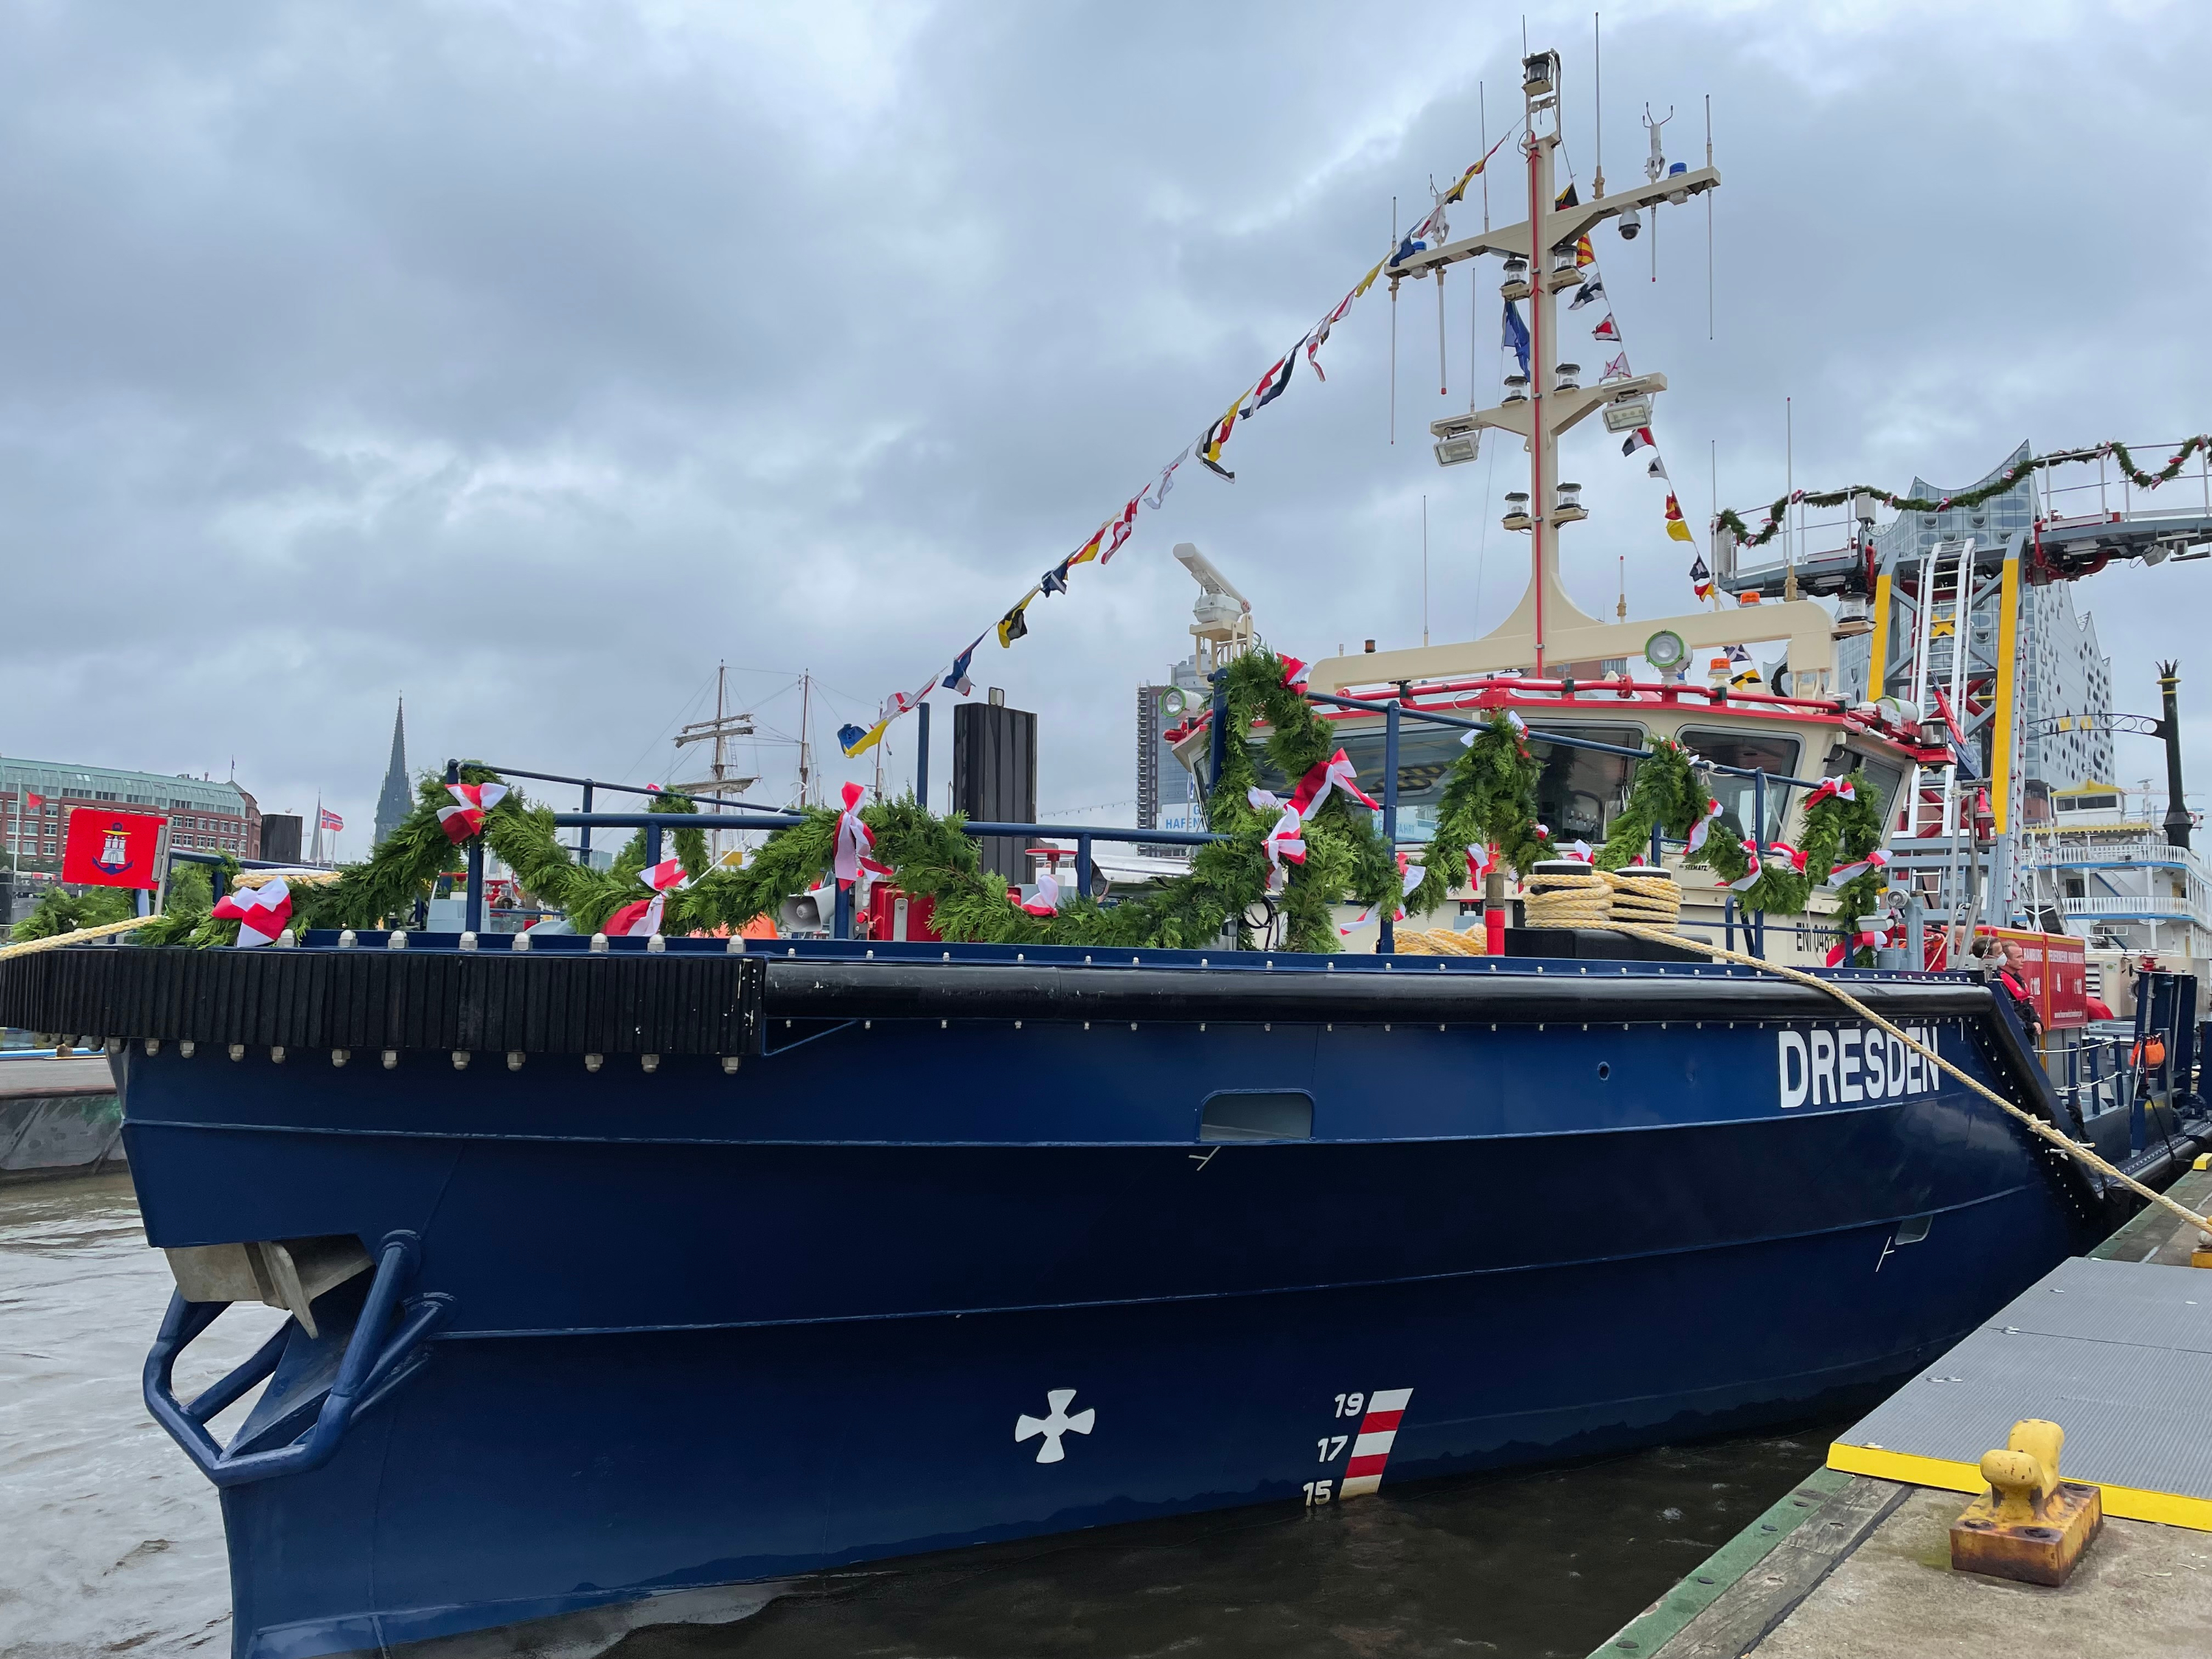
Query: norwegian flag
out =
(465, 818)
(260, 912)
(330, 820)
(1325, 776)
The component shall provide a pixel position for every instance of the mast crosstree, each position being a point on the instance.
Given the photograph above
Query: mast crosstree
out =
(1541, 254)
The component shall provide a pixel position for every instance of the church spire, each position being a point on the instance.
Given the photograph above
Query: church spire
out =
(397, 798)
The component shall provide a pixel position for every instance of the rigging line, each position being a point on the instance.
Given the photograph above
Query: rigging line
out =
(1482, 547)
(1394, 327)
(1708, 195)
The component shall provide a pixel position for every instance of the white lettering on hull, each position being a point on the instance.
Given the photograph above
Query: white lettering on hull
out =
(1851, 1064)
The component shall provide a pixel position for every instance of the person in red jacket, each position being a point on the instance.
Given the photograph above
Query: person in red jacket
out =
(2012, 978)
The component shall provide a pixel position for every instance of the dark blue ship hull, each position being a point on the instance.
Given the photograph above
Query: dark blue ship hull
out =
(693, 1326)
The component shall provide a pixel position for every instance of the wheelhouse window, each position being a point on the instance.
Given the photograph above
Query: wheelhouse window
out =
(1770, 752)
(1578, 791)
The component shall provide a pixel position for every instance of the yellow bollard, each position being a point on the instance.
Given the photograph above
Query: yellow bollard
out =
(2030, 1526)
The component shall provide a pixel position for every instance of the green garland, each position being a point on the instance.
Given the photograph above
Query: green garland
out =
(930, 857)
(1667, 795)
(1489, 798)
(1729, 519)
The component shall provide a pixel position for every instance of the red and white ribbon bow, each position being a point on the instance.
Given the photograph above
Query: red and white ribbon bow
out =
(1481, 860)
(1337, 771)
(1409, 877)
(853, 837)
(1703, 826)
(1839, 788)
(1046, 900)
(1860, 940)
(465, 818)
(1519, 726)
(1284, 842)
(642, 917)
(1844, 872)
(1749, 880)
(1781, 855)
(260, 912)
(1295, 673)
(1580, 852)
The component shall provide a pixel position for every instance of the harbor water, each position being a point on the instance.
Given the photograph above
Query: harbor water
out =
(115, 1542)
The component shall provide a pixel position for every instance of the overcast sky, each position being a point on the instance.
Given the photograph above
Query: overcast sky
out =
(530, 359)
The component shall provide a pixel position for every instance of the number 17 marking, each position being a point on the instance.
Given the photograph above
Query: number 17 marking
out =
(1331, 1446)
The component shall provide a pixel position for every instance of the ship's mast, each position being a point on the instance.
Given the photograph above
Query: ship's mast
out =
(1545, 243)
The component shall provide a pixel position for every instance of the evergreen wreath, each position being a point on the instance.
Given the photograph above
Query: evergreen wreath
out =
(1490, 797)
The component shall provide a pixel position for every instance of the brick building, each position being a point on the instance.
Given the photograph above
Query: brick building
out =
(216, 816)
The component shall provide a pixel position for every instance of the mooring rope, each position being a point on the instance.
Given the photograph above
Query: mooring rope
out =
(2057, 1138)
(53, 941)
(1654, 900)
(1558, 899)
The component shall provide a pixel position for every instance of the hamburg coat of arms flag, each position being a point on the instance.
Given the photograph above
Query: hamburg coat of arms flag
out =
(112, 849)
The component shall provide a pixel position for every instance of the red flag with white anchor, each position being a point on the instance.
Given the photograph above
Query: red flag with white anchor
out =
(465, 820)
(260, 912)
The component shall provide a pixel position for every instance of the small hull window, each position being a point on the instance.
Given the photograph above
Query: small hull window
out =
(1253, 1115)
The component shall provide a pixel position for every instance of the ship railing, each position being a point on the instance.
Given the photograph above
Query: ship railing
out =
(2147, 907)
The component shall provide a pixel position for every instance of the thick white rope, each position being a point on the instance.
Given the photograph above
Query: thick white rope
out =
(2057, 1138)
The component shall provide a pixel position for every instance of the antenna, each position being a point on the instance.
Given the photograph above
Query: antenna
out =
(1393, 325)
(1597, 105)
(1424, 560)
(1709, 222)
(1482, 116)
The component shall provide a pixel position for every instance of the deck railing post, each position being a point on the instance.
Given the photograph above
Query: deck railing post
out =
(922, 757)
(583, 845)
(1756, 923)
(1082, 862)
(472, 913)
(1388, 943)
(1218, 750)
(840, 923)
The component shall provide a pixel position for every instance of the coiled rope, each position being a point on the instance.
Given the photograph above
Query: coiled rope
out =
(1651, 900)
(1556, 898)
(2057, 1138)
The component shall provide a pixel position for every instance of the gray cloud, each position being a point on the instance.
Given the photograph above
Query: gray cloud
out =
(531, 358)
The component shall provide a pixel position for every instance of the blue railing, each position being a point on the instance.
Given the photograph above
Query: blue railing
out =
(746, 816)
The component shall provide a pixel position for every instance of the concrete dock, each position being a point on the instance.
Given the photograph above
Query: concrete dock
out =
(59, 1117)
(1854, 1564)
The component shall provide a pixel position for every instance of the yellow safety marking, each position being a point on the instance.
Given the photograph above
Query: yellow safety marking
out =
(2008, 647)
(1879, 663)
(2128, 1503)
